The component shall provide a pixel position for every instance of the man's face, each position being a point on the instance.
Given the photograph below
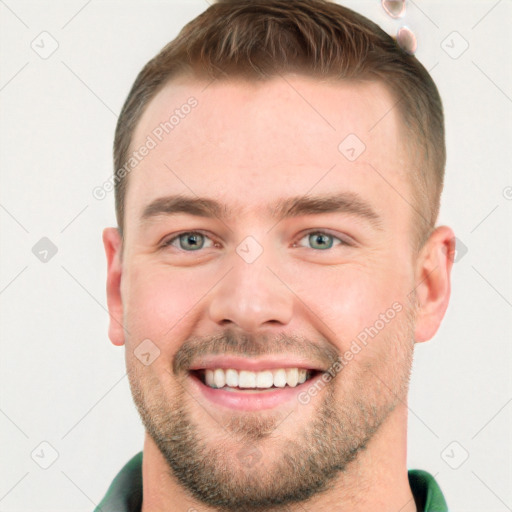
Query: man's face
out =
(265, 290)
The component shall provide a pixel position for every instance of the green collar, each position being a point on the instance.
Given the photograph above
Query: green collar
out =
(125, 492)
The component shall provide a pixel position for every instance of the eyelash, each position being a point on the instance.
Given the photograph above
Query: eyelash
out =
(169, 242)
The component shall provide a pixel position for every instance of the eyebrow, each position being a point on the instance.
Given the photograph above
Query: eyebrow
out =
(344, 202)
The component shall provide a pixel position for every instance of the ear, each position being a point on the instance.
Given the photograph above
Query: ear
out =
(433, 270)
(112, 242)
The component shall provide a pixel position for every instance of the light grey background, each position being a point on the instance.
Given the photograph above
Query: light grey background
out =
(63, 383)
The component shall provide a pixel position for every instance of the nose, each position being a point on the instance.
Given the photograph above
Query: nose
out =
(251, 297)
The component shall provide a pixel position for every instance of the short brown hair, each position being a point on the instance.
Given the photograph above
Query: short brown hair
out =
(261, 39)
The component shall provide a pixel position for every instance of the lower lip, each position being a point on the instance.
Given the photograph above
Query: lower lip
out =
(252, 400)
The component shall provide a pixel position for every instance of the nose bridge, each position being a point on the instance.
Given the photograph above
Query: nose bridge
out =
(251, 295)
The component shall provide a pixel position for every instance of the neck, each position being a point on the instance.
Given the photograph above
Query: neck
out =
(376, 480)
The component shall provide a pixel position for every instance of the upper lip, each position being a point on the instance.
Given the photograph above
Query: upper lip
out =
(252, 364)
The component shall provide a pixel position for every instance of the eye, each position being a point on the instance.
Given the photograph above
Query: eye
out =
(193, 241)
(322, 240)
(189, 241)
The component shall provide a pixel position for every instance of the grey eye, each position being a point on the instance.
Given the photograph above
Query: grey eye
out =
(189, 241)
(322, 240)
(192, 241)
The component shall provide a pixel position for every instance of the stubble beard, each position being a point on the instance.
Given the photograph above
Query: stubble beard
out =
(250, 463)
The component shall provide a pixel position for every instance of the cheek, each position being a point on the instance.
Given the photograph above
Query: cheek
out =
(350, 299)
(157, 300)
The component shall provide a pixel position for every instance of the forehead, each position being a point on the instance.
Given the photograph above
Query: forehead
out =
(250, 143)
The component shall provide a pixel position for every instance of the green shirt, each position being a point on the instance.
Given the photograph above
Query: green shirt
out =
(125, 492)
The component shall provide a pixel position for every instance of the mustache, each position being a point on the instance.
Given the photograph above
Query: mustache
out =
(234, 343)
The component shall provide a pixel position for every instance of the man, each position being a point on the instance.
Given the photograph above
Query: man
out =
(279, 167)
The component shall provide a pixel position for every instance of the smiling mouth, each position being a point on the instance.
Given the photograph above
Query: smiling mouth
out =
(249, 381)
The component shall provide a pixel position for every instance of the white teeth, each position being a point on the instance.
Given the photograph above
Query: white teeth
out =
(231, 378)
(219, 378)
(292, 376)
(246, 379)
(279, 378)
(209, 378)
(265, 379)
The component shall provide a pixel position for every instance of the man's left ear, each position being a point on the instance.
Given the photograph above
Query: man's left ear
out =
(433, 270)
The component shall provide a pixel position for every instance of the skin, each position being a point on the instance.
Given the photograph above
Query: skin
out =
(246, 145)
